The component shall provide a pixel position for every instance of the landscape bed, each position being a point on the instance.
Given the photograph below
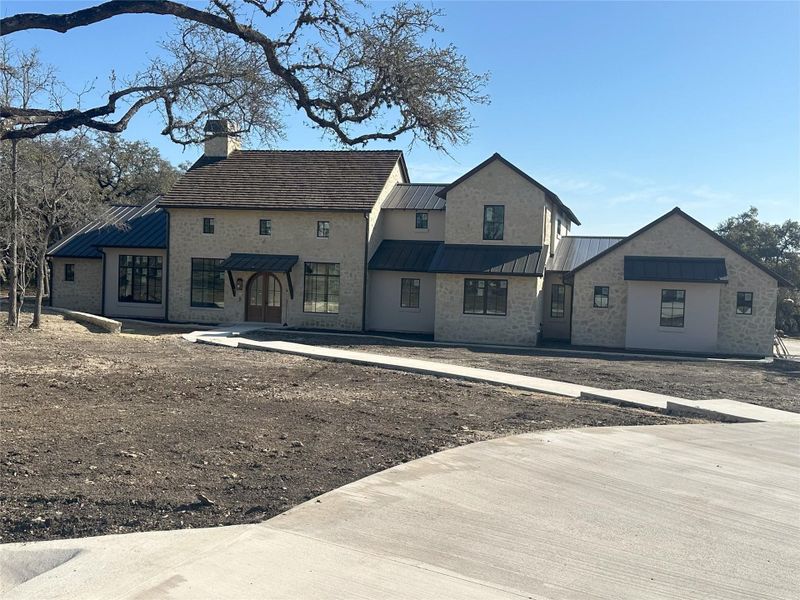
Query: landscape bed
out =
(756, 382)
(119, 433)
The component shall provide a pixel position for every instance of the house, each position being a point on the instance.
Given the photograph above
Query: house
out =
(343, 240)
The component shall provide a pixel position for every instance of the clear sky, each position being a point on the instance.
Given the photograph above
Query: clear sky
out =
(625, 110)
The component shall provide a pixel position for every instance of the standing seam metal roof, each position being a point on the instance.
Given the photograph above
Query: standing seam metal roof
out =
(415, 196)
(675, 268)
(573, 251)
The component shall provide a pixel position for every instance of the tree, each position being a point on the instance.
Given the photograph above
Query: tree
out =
(356, 75)
(778, 247)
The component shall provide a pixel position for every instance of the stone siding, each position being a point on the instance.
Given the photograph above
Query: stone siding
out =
(85, 293)
(675, 236)
(517, 327)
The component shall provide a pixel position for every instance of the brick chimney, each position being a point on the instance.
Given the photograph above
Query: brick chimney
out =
(222, 142)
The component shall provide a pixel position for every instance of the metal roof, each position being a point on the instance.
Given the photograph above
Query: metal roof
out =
(669, 268)
(404, 255)
(415, 196)
(278, 263)
(120, 226)
(489, 260)
(573, 251)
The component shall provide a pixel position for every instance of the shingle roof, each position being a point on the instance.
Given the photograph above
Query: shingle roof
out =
(488, 260)
(287, 180)
(278, 263)
(415, 196)
(670, 268)
(121, 226)
(574, 250)
(404, 255)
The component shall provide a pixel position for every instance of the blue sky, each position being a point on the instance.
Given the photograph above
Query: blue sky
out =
(623, 109)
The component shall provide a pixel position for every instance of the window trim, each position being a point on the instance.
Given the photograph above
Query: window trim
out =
(327, 233)
(563, 287)
(683, 309)
(417, 215)
(132, 271)
(69, 271)
(208, 225)
(502, 223)
(325, 277)
(745, 305)
(502, 283)
(607, 296)
(192, 303)
(261, 223)
(418, 289)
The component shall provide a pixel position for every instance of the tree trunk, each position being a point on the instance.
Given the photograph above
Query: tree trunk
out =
(12, 280)
(41, 261)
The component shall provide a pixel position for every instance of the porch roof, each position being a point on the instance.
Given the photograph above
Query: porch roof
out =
(675, 268)
(277, 263)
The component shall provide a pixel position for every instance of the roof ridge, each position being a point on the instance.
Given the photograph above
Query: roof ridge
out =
(299, 150)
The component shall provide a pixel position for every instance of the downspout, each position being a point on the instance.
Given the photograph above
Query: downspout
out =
(364, 286)
(103, 285)
(50, 283)
(166, 270)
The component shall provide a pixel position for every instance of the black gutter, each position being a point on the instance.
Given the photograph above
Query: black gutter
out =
(166, 278)
(364, 286)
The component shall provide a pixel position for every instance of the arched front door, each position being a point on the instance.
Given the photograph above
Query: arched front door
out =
(263, 298)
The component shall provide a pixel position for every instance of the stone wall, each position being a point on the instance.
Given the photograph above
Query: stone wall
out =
(517, 327)
(83, 294)
(675, 236)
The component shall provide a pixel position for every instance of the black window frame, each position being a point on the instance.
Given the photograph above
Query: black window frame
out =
(597, 295)
(69, 271)
(417, 220)
(562, 301)
(265, 227)
(138, 269)
(673, 314)
(410, 299)
(743, 303)
(207, 272)
(208, 225)
(325, 228)
(485, 308)
(330, 282)
(499, 227)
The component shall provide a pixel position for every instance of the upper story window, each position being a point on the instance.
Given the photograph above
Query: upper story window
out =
(323, 229)
(421, 220)
(673, 306)
(557, 301)
(744, 303)
(493, 219)
(265, 227)
(69, 272)
(600, 296)
(558, 228)
(208, 224)
(485, 296)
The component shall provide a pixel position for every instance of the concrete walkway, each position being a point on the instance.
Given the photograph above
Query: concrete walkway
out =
(715, 409)
(679, 511)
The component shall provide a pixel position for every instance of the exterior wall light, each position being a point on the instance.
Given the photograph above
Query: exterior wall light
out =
(239, 284)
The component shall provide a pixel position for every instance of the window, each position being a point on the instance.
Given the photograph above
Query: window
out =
(265, 227)
(323, 229)
(321, 288)
(69, 272)
(744, 303)
(208, 283)
(557, 301)
(139, 279)
(493, 217)
(409, 293)
(558, 228)
(485, 296)
(208, 225)
(422, 220)
(673, 303)
(601, 296)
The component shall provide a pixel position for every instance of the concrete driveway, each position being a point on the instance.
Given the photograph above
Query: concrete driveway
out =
(680, 511)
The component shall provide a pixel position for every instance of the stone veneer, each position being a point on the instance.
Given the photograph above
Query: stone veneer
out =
(676, 236)
(517, 327)
(83, 294)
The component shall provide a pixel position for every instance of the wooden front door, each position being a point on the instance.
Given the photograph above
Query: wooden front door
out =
(263, 298)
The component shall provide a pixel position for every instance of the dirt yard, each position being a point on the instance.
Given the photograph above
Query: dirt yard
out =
(755, 382)
(111, 434)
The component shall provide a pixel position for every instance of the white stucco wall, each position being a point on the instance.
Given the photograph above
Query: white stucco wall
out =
(141, 310)
(84, 293)
(401, 225)
(384, 301)
(699, 333)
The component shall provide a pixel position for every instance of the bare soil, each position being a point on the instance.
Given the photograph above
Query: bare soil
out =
(111, 434)
(747, 381)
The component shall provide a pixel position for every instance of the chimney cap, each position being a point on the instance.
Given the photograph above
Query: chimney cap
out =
(219, 126)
